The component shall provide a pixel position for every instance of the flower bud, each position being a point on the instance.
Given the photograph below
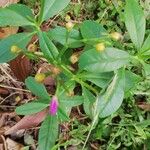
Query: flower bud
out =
(32, 48)
(100, 47)
(67, 18)
(69, 25)
(55, 70)
(116, 36)
(15, 49)
(40, 77)
(53, 107)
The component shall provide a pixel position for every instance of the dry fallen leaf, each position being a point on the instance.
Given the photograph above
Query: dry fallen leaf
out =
(4, 3)
(7, 31)
(21, 67)
(12, 145)
(4, 91)
(28, 122)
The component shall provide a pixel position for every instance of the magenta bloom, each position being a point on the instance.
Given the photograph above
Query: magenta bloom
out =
(53, 107)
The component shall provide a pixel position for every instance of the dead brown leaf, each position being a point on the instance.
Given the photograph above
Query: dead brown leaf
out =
(28, 122)
(4, 3)
(21, 67)
(4, 91)
(12, 145)
(7, 31)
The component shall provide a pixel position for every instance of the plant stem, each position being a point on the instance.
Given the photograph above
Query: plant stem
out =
(91, 128)
(70, 74)
(86, 85)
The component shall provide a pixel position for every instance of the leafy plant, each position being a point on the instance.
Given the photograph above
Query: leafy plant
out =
(105, 73)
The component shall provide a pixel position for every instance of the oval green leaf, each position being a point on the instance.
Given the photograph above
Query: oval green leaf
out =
(91, 29)
(111, 100)
(31, 108)
(109, 60)
(37, 88)
(48, 133)
(59, 34)
(48, 48)
(135, 22)
(20, 40)
(50, 8)
(16, 15)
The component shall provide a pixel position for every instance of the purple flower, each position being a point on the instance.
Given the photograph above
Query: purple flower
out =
(53, 106)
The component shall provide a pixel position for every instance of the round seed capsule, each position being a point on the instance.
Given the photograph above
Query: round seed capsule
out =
(116, 36)
(32, 48)
(15, 49)
(100, 47)
(40, 77)
(69, 26)
(67, 18)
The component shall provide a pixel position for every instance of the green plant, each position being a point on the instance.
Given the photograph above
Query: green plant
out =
(105, 73)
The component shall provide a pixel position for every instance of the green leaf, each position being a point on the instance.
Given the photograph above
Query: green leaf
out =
(143, 123)
(59, 34)
(131, 79)
(146, 45)
(37, 88)
(140, 132)
(109, 60)
(31, 108)
(146, 69)
(71, 101)
(135, 22)
(89, 99)
(67, 102)
(111, 100)
(20, 40)
(99, 79)
(48, 133)
(16, 15)
(50, 8)
(48, 48)
(62, 115)
(91, 29)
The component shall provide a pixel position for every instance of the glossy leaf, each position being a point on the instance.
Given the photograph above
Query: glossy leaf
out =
(135, 22)
(21, 40)
(109, 60)
(91, 29)
(111, 100)
(31, 108)
(48, 133)
(51, 8)
(16, 15)
(59, 34)
(37, 88)
(48, 48)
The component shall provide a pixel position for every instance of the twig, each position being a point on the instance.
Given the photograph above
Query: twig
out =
(9, 76)
(8, 97)
(18, 89)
